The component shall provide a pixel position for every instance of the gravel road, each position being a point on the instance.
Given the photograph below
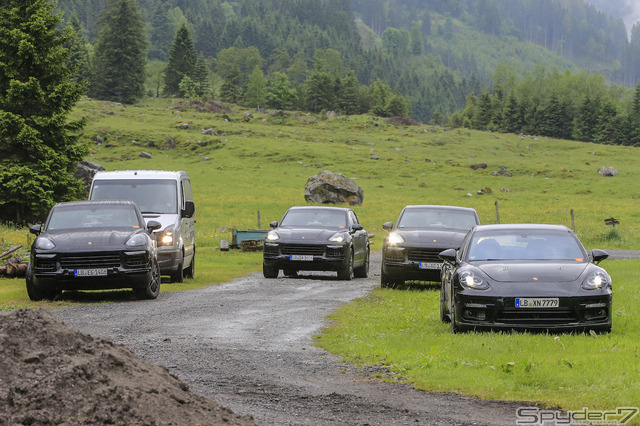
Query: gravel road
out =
(248, 344)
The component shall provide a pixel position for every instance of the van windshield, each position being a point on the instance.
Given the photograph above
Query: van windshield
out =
(151, 195)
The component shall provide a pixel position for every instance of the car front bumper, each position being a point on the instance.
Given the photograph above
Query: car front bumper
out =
(577, 313)
(412, 263)
(305, 257)
(110, 270)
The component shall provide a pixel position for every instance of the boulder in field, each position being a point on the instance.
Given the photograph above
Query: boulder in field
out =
(608, 172)
(332, 188)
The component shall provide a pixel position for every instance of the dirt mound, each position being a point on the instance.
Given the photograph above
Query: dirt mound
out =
(51, 374)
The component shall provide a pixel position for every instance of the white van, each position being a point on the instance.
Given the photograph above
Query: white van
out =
(163, 196)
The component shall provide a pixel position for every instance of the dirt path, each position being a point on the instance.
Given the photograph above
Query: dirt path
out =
(248, 344)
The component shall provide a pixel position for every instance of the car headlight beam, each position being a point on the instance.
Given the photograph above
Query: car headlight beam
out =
(596, 280)
(272, 236)
(473, 281)
(395, 238)
(338, 237)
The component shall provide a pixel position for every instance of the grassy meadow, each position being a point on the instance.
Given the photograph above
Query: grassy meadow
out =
(260, 162)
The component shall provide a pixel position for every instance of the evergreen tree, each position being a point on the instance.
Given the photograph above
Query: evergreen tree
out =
(160, 32)
(280, 94)
(320, 91)
(231, 89)
(182, 62)
(39, 147)
(417, 42)
(634, 116)
(78, 53)
(256, 93)
(348, 96)
(201, 78)
(511, 121)
(120, 53)
(586, 121)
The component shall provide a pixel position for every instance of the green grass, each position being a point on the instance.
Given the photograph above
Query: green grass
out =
(401, 330)
(263, 164)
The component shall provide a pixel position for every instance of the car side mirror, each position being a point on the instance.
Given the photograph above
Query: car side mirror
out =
(152, 225)
(449, 255)
(274, 224)
(599, 255)
(189, 209)
(387, 225)
(356, 227)
(36, 229)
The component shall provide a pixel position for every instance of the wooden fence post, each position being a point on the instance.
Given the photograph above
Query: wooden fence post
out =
(497, 213)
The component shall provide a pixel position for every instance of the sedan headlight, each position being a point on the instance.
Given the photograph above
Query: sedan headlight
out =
(394, 238)
(136, 241)
(44, 243)
(339, 237)
(596, 280)
(470, 280)
(272, 236)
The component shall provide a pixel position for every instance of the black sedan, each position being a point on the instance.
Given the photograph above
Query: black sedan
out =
(410, 250)
(93, 245)
(528, 277)
(317, 239)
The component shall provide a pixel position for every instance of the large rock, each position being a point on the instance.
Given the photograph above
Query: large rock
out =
(332, 188)
(86, 171)
(608, 171)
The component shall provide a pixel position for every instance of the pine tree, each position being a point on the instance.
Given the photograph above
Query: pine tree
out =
(256, 93)
(201, 77)
(160, 33)
(182, 61)
(231, 89)
(78, 53)
(39, 147)
(120, 53)
(348, 96)
(280, 93)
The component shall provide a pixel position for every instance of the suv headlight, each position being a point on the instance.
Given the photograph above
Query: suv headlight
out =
(394, 238)
(43, 243)
(339, 237)
(272, 236)
(136, 240)
(470, 280)
(596, 280)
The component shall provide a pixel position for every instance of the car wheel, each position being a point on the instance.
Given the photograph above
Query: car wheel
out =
(190, 272)
(269, 271)
(346, 272)
(178, 275)
(37, 293)
(443, 313)
(454, 327)
(152, 289)
(363, 271)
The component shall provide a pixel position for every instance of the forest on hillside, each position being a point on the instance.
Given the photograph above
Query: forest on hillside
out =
(434, 53)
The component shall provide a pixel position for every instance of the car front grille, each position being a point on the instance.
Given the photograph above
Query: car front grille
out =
(135, 261)
(90, 260)
(305, 249)
(539, 316)
(424, 254)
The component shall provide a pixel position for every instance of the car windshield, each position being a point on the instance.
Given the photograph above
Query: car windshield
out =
(151, 195)
(525, 245)
(86, 216)
(315, 218)
(417, 218)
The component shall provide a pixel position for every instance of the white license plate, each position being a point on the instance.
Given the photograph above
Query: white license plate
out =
(302, 257)
(526, 302)
(99, 272)
(429, 265)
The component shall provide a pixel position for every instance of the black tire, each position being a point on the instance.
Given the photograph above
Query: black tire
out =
(152, 289)
(178, 275)
(269, 271)
(454, 327)
(363, 271)
(190, 272)
(443, 314)
(346, 272)
(37, 293)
